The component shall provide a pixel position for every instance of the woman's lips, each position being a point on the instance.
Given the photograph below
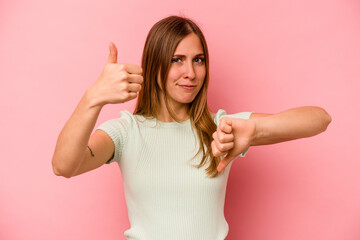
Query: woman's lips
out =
(187, 86)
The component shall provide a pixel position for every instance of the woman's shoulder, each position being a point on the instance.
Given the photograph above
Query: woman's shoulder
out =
(125, 120)
(125, 116)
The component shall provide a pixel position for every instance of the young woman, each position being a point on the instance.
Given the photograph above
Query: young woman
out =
(173, 152)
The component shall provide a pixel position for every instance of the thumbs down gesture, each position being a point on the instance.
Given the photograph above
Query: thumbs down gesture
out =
(231, 138)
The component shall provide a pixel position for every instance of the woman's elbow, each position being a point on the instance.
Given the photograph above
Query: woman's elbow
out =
(59, 171)
(326, 119)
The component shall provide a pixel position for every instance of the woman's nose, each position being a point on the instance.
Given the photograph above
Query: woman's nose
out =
(189, 71)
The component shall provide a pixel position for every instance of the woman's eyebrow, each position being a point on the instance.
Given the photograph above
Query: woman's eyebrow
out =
(197, 55)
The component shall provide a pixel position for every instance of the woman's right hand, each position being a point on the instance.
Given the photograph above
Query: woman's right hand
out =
(118, 83)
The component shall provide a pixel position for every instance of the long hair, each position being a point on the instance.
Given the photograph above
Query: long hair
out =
(159, 48)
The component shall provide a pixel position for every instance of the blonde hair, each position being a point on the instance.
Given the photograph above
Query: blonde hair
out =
(159, 48)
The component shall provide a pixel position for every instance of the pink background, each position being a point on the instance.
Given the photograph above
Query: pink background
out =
(265, 56)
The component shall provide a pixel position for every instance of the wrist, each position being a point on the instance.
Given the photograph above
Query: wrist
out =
(259, 132)
(91, 100)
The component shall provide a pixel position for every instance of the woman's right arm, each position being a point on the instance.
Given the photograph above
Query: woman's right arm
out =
(118, 83)
(70, 154)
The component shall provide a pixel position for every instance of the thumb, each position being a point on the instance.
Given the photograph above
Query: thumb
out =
(224, 162)
(113, 53)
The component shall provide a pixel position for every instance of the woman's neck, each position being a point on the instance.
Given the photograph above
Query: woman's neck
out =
(181, 114)
(181, 111)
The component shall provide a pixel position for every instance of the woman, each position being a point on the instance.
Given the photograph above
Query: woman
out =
(174, 154)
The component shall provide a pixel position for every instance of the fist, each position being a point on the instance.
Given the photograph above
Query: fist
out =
(231, 138)
(118, 83)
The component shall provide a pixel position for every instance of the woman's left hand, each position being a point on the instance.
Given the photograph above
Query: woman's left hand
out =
(231, 138)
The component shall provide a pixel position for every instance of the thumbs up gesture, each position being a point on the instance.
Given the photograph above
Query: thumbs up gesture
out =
(118, 83)
(231, 138)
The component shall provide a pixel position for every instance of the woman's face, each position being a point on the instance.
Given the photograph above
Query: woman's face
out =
(187, 71)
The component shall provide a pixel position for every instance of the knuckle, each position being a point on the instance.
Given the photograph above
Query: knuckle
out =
(132, 96)
(223, 120)
(222, 138)
(124, 75)
(213, 147)
(121, 67)
(124, 85)
(126, 94)
(214, 135)
(231, 137)
(222, 148)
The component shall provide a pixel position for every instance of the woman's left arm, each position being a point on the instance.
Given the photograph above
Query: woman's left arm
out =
(288, 125)
(233, 136)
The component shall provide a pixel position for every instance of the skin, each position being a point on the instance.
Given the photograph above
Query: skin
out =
(234, 136)
(187, 68)
(119, 83)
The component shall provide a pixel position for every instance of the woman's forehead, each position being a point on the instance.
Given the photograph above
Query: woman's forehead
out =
(189, 45)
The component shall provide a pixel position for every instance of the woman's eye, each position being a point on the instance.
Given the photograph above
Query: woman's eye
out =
(175, 60)
(199, 60)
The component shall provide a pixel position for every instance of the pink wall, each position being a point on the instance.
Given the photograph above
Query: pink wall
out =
(266, 56)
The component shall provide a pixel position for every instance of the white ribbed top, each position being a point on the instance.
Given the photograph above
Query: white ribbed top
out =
(166, 197)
